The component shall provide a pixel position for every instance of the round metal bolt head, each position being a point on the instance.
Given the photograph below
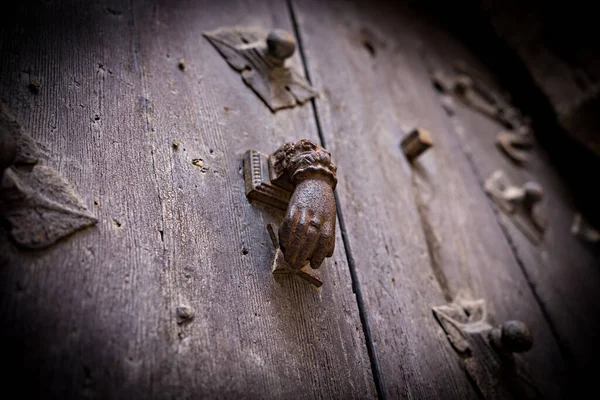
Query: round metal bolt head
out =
(281, 44)
(516, 337)
(533, 192)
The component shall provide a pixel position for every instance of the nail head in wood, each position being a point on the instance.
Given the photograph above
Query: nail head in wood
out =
(415, 143)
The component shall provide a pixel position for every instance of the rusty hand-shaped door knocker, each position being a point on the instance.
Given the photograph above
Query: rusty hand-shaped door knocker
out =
(308, 230)
(298, 178)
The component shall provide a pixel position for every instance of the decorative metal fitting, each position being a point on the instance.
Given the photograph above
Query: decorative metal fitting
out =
(521, 203)
(471, 89)
(270, 179)
(464, 88)
(298, 178)
(488, 352)
(415, 143)
(260, 58)
(515, 145)
(41, 206)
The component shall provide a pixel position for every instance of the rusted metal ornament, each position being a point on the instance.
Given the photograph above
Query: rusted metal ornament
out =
(298, 178)
(260, 58)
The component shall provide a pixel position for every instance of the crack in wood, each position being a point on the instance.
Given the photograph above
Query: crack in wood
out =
(378, 377)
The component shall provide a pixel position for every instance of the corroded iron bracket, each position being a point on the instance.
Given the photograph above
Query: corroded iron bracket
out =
(257, 181)
(488, 352)
(260, 58)
(521, 203)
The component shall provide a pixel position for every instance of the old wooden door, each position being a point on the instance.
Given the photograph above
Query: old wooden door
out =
(136, 109)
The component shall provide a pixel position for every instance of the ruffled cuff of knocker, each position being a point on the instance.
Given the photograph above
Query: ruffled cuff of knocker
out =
(305, 160)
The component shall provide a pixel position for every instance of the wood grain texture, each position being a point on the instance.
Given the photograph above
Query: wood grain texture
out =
(355, 57)
(81, 317)
(95, 316)
(562, 272)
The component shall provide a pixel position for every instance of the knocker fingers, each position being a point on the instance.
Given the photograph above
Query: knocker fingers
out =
(298, 227)
(324, 247)
(310, 243)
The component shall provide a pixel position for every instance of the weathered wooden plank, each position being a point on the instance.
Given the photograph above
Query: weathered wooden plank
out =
(474, 257)
(80, 318)
(253, 336)
(355, 56)
(98, 311)
(561, 271)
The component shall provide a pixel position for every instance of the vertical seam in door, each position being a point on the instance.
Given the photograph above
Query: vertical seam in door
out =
(139, 68)
(375, 366)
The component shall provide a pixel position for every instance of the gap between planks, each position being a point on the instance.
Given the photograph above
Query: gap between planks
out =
(375, 365)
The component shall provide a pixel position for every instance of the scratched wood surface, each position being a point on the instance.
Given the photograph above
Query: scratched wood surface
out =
(562, 270)
(81, 318)
(355, 56)
(95, 315)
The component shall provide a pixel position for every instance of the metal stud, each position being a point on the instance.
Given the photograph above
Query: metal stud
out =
(416, 143)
